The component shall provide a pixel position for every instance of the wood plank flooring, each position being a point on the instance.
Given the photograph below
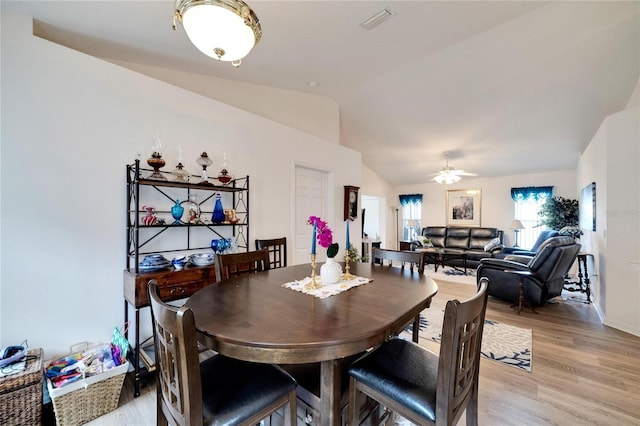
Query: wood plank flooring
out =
(583, 372)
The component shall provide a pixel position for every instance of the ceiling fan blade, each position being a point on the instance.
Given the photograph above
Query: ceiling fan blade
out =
(462, 173)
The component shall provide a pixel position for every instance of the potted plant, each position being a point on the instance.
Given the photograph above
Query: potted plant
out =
(559, 212)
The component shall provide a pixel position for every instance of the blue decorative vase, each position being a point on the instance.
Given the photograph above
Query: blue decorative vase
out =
(218, 211)
(176, 211)
(221, 245)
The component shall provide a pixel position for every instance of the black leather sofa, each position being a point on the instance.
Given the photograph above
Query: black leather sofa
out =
(548, 269)
(471, 240)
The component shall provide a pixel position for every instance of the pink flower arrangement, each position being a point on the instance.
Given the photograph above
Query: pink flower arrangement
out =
(324, 235)
(323, 232)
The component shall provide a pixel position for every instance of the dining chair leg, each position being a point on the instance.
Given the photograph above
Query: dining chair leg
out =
(416, 329)
(353, 407)
(293, 411)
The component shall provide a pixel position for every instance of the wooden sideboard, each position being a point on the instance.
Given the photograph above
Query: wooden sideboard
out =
(174, 285)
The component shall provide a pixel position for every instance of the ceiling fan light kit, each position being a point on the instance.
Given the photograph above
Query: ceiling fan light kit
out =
(225, 30)
(449, 175)
(447, 178)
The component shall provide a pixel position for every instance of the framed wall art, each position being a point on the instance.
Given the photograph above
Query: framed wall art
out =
(463, 207)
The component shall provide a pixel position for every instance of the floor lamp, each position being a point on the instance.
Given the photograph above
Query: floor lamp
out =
(397, 226)
(516, 225)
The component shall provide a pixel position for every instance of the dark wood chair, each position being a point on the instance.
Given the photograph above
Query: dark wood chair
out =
(413, 257)
(420, 385)
(277, 248)
(220, 390)
(230, 265)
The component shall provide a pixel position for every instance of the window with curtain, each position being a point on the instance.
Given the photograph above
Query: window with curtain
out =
(528, 202)
(411, 205)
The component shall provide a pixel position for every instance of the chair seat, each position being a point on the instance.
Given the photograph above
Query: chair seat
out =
(239, 389)
(404, 372)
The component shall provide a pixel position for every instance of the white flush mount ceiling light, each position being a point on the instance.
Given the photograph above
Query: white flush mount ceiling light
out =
(449, 175)
(225, 30)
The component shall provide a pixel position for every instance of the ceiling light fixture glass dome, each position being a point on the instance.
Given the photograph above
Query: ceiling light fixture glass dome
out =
(225, 30)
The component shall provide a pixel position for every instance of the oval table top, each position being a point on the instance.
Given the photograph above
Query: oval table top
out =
(253, 317)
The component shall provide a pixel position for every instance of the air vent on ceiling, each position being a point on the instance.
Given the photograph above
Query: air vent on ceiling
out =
(377, 19)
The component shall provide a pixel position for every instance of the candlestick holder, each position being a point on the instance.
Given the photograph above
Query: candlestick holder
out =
(347, 275)
(314, 284)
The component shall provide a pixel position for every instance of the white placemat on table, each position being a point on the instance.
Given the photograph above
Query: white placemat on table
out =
(326, 290)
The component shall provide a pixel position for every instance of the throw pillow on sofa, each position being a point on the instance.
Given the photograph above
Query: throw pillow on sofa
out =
(492, 244)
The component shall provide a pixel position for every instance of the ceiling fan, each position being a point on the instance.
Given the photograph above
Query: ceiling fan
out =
(449, 174)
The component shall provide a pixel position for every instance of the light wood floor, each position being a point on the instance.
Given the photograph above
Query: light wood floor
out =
(583, 373)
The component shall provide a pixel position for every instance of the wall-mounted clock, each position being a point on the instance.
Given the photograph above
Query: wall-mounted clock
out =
(351, 202)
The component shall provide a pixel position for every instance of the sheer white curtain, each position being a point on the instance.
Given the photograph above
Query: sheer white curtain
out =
(528, 201)
(411, 216)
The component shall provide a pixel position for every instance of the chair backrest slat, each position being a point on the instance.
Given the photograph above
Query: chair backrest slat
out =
(277, 248)
(178, 366)
(231, 265)
(413, 257)
(458, 368)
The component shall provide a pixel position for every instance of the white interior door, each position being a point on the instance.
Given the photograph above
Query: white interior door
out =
(372, 221)
(311, 195)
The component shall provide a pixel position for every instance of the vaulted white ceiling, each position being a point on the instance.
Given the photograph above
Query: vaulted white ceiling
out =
(506, 87)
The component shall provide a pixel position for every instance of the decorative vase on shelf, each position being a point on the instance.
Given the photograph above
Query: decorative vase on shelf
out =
(204, 161)
(181, 174)
(150, 218)
(157, 163)
(330, 271)
(224, 177)
(176, 211)
(218, 212)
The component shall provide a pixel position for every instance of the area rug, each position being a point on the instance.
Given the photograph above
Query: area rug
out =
(500, 342)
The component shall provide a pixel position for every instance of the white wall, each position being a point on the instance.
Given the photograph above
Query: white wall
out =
(374, 185)
(497, 206)
(313, 114)
(70, 124)
(612, 160)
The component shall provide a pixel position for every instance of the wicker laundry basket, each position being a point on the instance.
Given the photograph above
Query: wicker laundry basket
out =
(82, 401)
(21, 393)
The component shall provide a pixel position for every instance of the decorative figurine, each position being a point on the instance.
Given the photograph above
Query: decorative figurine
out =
(194, 210)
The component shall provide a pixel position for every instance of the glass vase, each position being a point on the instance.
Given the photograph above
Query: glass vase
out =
(218, 211)
(176, 211)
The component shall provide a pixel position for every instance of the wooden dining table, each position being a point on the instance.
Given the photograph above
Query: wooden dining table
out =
(254, 318)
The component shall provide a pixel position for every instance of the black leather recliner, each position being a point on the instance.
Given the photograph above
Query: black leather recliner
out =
(549, 267)
(544, 236)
